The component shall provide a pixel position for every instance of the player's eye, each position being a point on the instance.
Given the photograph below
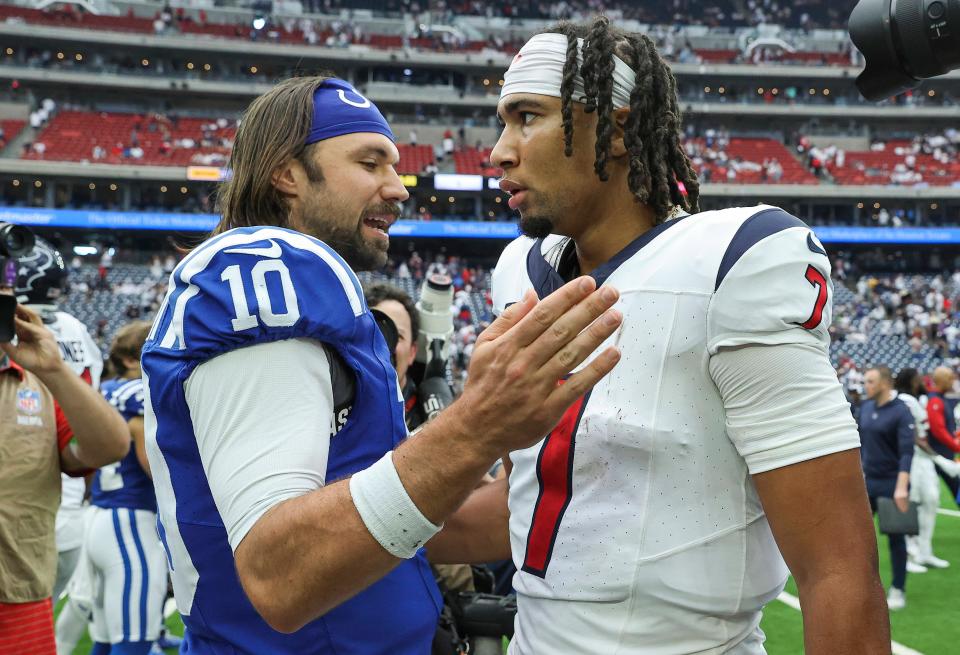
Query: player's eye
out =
(369, 165)
(526, 117)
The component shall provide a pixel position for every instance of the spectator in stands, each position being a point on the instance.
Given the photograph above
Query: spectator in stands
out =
(39, 394)
(943, 426)
(887, 435)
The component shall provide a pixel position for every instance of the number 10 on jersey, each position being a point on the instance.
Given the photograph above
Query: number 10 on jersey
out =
(244, 320)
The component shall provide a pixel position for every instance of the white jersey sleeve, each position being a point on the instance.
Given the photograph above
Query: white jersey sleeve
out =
(773, 287)
(768, 340)
(263, 443)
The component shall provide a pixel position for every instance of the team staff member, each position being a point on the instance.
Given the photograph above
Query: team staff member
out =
(887, 435)
(39, 394)
(943, 424)
(273, 548)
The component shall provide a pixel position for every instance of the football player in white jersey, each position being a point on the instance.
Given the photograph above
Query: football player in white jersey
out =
(653, 517)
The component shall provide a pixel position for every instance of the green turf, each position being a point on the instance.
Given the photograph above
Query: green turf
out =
(174, 624)
(928, 624)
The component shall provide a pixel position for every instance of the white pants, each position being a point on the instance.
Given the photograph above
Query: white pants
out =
(925, 490)
(129, 570)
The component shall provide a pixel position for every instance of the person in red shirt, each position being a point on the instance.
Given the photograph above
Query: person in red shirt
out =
(39, 394)
(943, 425)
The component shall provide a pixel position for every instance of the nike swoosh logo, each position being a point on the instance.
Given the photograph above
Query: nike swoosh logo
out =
(812, 245)
(273, 251)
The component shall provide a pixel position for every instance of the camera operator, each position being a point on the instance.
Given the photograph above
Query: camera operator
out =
(477, 619)
(39, 394)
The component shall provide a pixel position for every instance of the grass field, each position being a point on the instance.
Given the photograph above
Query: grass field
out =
(928, 624)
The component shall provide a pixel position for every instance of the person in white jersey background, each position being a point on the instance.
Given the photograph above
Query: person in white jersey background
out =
(653, 517)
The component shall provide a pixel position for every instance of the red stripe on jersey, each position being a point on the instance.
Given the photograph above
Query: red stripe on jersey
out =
(27, 628)
(555, 475)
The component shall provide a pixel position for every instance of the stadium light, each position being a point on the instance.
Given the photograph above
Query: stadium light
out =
(163, 189)
(92, 186)
(78, 57)
(183, 189)
(144, 62)
(83, 251)
(113, 187)
(253, 70)
(9, 51)
(37, 183)
(259, 23)
(189, 65)
(15, 183)
(206, 67)
(60, 56)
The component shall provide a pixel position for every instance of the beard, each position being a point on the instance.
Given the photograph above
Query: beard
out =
(330, 221)
(536, 227)
(360, 254)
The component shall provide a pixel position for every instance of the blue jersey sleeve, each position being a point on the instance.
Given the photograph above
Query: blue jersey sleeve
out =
(255, 285)
(133, 402)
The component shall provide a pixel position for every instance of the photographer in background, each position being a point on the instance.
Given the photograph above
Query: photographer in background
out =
(396, 305)
(426, 392)
(39, 394)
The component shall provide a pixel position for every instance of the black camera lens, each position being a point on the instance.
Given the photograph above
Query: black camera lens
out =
(15, 240)
(904, 42)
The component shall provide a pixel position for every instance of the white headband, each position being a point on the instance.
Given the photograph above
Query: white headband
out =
(538, 68)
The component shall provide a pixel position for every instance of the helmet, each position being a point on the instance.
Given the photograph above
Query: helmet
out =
(41, 275)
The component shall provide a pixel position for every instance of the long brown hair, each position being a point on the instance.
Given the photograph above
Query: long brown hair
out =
(271, 133)
(658, 163)
(127, 343)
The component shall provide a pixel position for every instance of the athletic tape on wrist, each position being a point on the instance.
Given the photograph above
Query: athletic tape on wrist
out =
(388, 511)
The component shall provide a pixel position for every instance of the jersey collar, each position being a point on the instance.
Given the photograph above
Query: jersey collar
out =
(546, 279)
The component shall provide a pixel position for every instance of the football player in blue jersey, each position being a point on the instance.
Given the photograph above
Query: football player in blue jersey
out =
(288, 530)
(128, 565)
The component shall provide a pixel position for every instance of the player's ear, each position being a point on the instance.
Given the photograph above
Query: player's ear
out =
(284, 178)
(617, 147)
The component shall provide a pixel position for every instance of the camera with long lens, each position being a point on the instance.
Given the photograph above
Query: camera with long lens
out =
(485, 619)
(15, 241)
(904, 42)
(433, 345)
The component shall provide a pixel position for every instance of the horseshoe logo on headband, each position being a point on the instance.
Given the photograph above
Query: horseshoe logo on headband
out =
(359, 105)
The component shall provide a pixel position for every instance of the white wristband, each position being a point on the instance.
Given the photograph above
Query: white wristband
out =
(387, 510)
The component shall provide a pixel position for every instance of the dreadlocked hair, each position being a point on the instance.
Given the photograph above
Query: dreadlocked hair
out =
(658, 163)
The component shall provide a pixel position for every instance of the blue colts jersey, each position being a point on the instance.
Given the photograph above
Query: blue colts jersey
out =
(245, 287)
(124, 484)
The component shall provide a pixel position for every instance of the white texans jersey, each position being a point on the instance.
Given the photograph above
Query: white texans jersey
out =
(635, 525)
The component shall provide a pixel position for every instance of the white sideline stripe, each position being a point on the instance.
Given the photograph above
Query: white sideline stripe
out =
(948, 512)
(794, 602)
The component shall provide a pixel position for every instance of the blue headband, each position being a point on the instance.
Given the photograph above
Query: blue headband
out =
(339, 109)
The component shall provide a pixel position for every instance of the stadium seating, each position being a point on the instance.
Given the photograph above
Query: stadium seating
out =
(413, 158)
(757, 150)
(471, 161)
(877, 167)
(72, 136)
(11, 128)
